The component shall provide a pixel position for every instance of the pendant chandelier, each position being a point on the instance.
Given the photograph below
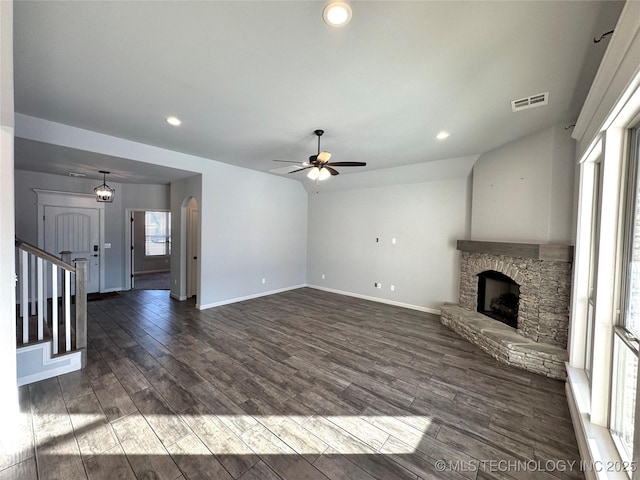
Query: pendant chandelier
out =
(104, 193)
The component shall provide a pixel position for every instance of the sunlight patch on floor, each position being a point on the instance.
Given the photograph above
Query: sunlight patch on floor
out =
(244, 434)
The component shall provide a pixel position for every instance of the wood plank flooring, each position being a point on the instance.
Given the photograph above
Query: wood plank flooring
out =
(300, 385)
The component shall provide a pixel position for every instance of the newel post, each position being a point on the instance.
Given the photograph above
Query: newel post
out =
(81, 308)
(65, 256)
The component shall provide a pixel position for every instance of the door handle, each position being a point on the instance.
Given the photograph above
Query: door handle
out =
(195, 258)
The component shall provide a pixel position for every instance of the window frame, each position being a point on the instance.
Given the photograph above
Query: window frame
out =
(622, 336)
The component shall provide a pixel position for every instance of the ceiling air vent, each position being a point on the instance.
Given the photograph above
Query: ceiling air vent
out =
(537, 100)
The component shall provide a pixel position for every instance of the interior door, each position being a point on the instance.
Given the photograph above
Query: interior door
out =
(76, 230)
(192, 253)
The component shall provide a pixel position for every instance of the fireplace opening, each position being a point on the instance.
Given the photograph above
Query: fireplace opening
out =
(498, 297)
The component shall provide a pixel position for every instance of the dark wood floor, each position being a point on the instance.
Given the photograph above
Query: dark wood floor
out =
(299, 385)
(152, 281)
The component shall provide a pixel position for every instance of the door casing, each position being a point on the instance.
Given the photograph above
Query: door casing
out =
(55, 198)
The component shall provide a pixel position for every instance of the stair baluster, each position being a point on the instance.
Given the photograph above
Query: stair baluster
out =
(36, 287)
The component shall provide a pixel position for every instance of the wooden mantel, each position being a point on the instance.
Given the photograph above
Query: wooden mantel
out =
(549, 252)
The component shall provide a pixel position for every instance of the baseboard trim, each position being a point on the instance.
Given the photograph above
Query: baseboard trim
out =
(111, 290)
(435, 311)
(247, 297)
(180, 298)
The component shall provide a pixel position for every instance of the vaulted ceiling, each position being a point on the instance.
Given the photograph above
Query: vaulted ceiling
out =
(252, 80)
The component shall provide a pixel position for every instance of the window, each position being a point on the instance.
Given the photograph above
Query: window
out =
(625, 377)
(157, 230)
(593, 255)
(625, 352)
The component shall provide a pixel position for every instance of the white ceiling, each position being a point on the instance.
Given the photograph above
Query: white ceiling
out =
(251, 80)
(58, 160)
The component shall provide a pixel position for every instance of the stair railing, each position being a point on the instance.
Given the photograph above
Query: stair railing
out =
(43, 278)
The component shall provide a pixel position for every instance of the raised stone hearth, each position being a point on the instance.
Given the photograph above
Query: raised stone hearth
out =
(543, 273)
(504, 344)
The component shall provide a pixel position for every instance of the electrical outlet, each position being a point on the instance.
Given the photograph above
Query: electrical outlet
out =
(264, 280)
(393, 288)
(393, 240)
(377, 285)
(323, 276)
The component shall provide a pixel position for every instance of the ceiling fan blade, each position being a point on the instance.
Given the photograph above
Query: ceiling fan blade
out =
(300, 169)
(323, 157)
(285, 161)
(347, 164)
(332, 171)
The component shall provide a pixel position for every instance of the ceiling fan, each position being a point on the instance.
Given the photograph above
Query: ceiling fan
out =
(319, 166)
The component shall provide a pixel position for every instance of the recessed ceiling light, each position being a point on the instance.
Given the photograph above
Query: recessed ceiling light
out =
(336, 14)
(174, 121)
(442, 135)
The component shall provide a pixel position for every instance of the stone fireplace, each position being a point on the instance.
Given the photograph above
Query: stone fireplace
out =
(514, 303)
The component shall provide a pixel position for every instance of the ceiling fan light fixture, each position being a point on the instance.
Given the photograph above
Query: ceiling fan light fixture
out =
(318, 167)
(314, 173)
(323, 174)
(104, 193)
(336, 14)
(318, 174)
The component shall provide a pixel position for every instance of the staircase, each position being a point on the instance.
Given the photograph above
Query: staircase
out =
(51, 314)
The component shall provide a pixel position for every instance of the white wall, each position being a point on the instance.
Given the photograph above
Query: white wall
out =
(425, 218)
(8, 398)
(616, 79)
(145, 197)
(523, 191)
(181, 191)
(253, 224)
(127, 196)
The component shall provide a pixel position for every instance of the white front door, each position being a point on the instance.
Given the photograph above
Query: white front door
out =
(76, 230)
